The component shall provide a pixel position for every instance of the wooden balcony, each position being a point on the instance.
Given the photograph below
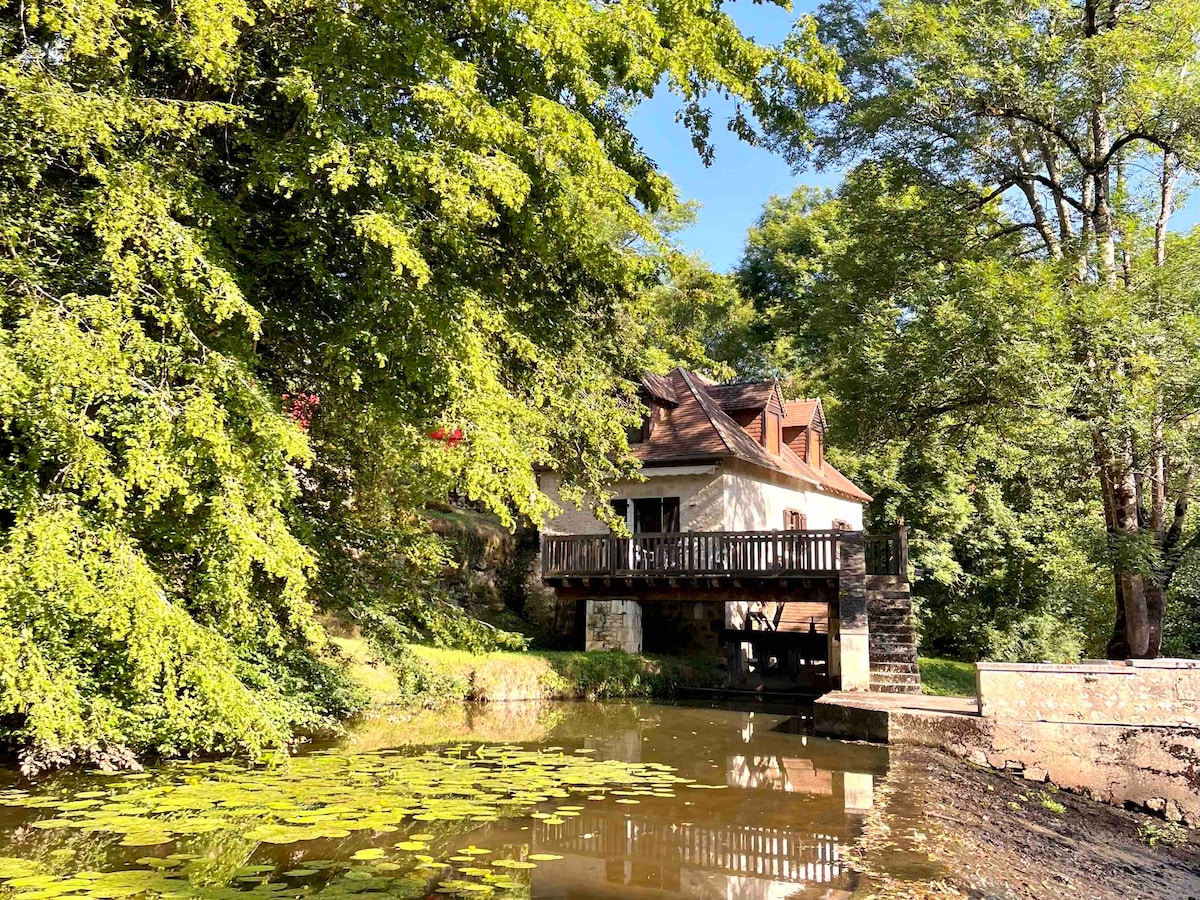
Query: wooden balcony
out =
(715, 554)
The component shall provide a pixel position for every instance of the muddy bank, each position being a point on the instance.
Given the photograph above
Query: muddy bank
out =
(945, 828)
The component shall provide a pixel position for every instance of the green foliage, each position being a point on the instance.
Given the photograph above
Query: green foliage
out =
(403, 213)
(994, 291)
(926, 366)
(1039, 637)
(1181, 630)
(947, 677)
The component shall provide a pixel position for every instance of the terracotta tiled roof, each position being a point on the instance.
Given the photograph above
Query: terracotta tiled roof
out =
(660, 387)
(744, 395)
(695, 426)
(800, 413)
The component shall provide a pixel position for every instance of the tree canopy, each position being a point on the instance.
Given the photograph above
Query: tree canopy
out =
(1049, 140)
(276, 272)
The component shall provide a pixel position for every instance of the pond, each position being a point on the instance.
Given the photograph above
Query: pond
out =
(564, 800)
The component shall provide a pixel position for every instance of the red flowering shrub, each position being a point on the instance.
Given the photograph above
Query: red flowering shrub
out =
(450, 438)
(300, 407)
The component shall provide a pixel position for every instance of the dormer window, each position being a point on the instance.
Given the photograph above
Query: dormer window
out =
(636, 434)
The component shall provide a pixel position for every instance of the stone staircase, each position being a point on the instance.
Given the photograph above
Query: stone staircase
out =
(893, 641)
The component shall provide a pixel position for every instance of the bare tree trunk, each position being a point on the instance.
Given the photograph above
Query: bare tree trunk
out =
(1118, 484)
(1026, 184)
(1066, 230)
(1165, 207)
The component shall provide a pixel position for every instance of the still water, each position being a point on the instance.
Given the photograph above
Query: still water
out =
(641, 800)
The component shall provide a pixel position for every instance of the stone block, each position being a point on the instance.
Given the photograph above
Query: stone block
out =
(1143, 692)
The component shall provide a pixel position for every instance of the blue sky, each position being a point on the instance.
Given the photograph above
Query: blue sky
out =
(733, 189)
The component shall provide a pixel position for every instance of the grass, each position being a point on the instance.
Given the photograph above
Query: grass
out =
(559, 675)
(429, 676)
(947, 677)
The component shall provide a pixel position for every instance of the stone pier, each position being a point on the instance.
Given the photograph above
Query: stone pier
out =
(853, 647)
(614, 624)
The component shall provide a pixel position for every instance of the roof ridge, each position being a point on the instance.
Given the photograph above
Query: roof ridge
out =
(703, 398)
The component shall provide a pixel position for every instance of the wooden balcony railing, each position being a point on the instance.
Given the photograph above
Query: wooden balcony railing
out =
(887, 554)
(692, 553)
(762, 554)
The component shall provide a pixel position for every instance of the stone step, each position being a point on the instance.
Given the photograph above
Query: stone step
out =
(891, 642)
(895, 677)
(896, 634)
(897, 657)
(888, 604)
(884, 626)
(895, 688)
(895, 668)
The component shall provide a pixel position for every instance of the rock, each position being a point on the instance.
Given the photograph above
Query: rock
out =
(1157, 805)
(977, 757)
(1038, 775)
(1174, 813)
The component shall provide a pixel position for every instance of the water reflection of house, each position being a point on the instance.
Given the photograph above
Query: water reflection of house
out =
(779, 773)
(790, 851)
(744, 542)
(632, 855)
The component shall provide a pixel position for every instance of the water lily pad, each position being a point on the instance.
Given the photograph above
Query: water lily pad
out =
(544, 857)
(145, 838)
(368, 853)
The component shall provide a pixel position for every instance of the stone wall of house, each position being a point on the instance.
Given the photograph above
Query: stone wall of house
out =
(756, 500)
(701, 502)
(731, 496)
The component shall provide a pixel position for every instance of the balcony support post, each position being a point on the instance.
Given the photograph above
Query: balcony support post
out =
(850, 651)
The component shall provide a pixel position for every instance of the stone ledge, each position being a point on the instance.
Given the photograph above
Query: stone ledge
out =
(1154, 767)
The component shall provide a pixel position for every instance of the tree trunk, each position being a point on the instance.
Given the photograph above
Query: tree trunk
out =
(1119, 488)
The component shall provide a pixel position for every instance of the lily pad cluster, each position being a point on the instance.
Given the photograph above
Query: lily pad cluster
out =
(389, 817)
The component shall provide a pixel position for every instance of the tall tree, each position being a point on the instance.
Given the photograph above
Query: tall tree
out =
(1082, 116)
(938, 357)
(379, 215)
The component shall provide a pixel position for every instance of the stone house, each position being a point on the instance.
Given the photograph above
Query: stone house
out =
(743, 541)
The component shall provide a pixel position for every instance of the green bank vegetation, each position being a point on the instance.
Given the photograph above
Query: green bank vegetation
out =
(947, 677)
(432, 676)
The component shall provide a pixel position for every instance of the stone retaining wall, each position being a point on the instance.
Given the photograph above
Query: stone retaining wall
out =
(1122, 733)
(1137, 692)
